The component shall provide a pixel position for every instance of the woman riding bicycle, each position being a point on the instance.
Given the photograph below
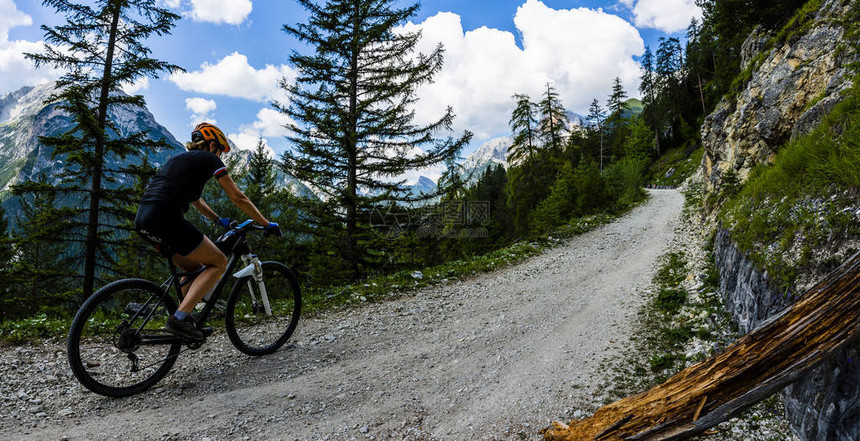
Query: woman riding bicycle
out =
(160, 217)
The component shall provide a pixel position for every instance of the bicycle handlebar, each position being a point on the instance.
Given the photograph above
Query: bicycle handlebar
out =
(245, 226)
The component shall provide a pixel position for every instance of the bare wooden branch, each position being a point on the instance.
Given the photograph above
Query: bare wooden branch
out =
(762, 362)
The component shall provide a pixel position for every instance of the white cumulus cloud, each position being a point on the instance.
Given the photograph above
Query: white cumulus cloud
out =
(15, 70)
(248, 141)
(234, 76)
(201, 110)
(10, 17)
(579, 51)
(137, 86)
(269, 124)
(221, 11)
(666, 15)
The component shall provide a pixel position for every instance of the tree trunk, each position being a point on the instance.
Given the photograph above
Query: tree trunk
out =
(98, 163)
(352, 147)
(599, 127)
(759, 364)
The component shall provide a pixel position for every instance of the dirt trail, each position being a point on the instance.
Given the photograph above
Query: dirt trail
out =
(494, 357)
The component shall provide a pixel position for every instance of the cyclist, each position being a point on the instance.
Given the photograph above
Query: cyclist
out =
(160, 218)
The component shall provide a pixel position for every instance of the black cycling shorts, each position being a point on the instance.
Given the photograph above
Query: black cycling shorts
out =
(164, 226)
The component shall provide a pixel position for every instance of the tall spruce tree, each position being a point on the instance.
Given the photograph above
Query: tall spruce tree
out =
(596, 118)
(616, 103)
(648, 87)
(615, 121)
(39, 267)
(355, 133)
(7, 283)
(524, 127)
(260, 179)
(553, 120)
(101, 48)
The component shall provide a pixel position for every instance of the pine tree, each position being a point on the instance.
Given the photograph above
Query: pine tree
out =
(528, 184)
(101, 49)
(639, 144)
(7, 283)
(616, 122)
(451, 184)
(672, 97)
(558, 207)
(648, 88)
(523, 125)
(355, 134)
(696, 56)
(596, 117)
(616, 103)
(135, 257)
(38, 270)
(5, 243)
(553, 120)
(260, 182)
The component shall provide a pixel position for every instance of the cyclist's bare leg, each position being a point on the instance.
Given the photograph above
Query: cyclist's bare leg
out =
(187, 265)
(208, 254)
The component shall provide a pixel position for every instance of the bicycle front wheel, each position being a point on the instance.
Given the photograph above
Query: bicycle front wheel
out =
(258, 329)
(117, 345)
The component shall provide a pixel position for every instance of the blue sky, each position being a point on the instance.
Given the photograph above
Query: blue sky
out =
(234, 52)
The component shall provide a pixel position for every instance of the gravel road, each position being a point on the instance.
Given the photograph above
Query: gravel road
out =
(497, 356)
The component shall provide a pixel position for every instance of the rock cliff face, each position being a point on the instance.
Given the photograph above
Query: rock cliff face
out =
(790, 89)
(749, 294)
(792, 85)
(824, 404)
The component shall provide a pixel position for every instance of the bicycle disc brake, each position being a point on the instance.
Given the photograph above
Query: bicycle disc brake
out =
(128, 340)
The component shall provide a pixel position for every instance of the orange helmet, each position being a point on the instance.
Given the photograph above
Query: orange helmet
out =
(208, 132)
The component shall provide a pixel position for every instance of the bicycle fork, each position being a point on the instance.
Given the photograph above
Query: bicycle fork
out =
(254, 269)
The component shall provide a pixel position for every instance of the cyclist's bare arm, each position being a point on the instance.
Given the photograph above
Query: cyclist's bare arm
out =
(240, 200)
(205, 209)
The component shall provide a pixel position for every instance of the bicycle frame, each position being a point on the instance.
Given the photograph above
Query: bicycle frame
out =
(239, 253)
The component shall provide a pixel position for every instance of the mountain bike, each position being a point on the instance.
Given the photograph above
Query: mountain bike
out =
(117, 343)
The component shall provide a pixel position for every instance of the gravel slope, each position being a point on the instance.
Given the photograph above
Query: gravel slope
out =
(495, 357)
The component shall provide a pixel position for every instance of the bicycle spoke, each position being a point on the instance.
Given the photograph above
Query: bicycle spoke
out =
(117, 345)
(261, 316)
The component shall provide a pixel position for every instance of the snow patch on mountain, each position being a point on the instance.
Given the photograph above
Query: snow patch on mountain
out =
(491, 153)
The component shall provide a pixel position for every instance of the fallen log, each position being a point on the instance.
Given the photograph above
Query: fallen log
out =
(783, 348)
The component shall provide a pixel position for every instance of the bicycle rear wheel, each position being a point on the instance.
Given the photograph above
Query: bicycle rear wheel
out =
(117, 345)
(251, 329)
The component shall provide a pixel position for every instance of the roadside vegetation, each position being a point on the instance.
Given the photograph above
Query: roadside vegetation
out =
(806, 201)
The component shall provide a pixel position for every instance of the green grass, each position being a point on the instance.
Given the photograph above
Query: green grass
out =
(677, 164)
(670, 300)
(672, 271)
(28, 330)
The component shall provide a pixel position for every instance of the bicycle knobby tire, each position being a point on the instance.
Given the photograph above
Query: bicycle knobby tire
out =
(107, 333)
(250, 329)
